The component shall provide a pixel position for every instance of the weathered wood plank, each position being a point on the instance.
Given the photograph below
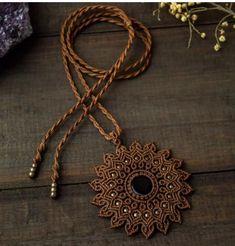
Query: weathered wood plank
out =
(48, 18)
(185, 102)
(30, 217)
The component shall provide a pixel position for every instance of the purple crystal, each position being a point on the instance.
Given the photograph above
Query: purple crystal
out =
(14, 25)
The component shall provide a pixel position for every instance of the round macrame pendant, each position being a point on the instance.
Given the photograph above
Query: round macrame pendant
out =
(141, 188)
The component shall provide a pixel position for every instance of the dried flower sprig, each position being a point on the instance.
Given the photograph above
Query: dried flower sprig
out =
(188, 12)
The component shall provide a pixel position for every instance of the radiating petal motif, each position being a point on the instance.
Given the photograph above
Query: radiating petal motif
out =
(131, 228)
(147, 230)
(122, 181)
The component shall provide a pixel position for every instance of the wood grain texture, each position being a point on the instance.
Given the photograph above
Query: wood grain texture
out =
(185, 102)
(30, 217)
(44, 24)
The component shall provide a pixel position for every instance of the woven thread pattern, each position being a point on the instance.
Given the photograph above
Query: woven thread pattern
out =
(118, 200)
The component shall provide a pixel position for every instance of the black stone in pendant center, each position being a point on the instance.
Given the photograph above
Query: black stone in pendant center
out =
(142, 185)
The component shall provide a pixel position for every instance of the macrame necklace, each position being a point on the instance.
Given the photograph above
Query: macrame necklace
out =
(138, 186)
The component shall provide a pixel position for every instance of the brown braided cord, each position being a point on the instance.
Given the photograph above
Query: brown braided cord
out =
(74, 23)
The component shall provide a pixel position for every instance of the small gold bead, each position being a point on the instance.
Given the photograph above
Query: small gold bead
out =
(53, 185)
(184, 6)
(53, 189)
(125, 210)
(32, 169)
(233, 26)
(53, 194)
(34, 165)
(31, 174)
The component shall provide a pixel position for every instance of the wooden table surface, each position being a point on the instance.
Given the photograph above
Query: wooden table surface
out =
(185, 101)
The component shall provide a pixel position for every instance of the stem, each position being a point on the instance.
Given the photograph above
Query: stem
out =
(157, 12)
(202, 9)
(219, 24)
(194, 28)
(190, 34)
(221, 8)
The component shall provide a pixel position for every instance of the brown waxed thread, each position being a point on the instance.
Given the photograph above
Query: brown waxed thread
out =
(74, 23)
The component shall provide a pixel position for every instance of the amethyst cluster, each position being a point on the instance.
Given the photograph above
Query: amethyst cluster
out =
(14, 25)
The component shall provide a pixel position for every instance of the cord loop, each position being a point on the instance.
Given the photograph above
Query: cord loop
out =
(71, 28)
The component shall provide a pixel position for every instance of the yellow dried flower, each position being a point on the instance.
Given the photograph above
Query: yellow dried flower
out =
(217, 47)
(173, 7)
(194, 17)
(222, 31)
(183, 18)
(203, 35)
(179, 10)
(224, 24)
(177, 16)
(190, 3)
(190, 12)
(222, 38)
